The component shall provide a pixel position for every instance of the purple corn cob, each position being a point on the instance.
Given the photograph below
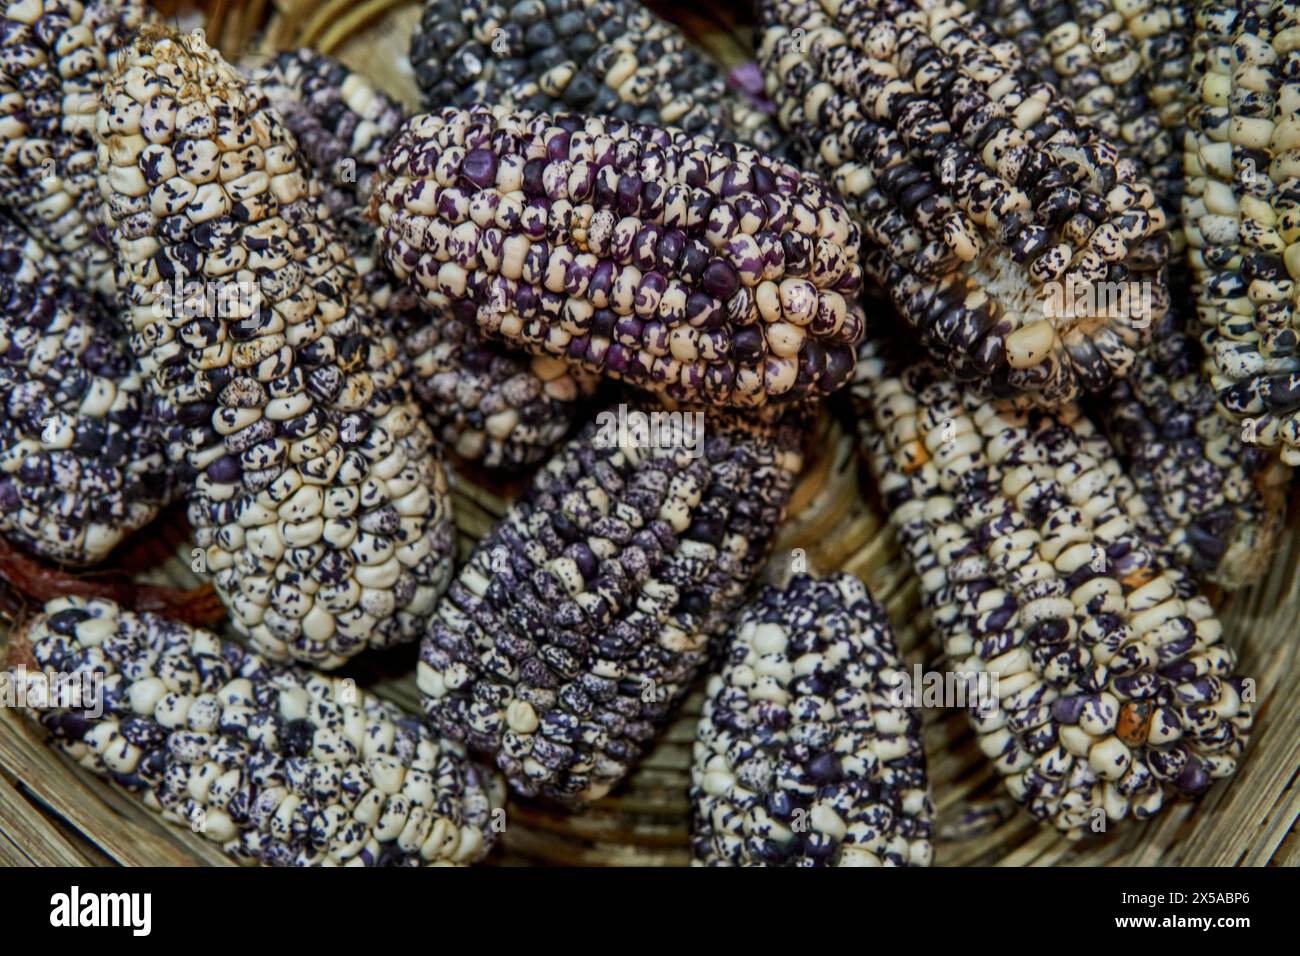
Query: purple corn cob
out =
(700, 270)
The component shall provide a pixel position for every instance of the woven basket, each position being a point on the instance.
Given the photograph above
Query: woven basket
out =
(53, 812)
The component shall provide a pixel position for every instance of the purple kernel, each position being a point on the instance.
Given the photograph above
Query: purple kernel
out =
(557, 147)
(720, 279)
(480, 167)
(618, 358)
(747, 345)
(629, 194)
(1193, 778)
(602, 322)
(1067, 710)
(703, 311)
(534, 186)
(602, 278)
(655, 336)
(694, 261)
(628, 331)
(812, 361)
(736, 180)
(670, 250)
(225, 470)
(840, 362)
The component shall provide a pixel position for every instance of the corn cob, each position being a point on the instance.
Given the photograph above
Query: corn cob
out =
(1241, 211)
(55, 56)
(281, 765)
(697, 269)
(803, 757)
(1217, 506)
(989, 211)
(81, 455)
(1115, 687)
(319, 503)
(1121, 63)
(611, 58)
(481, 400)
(584, 614)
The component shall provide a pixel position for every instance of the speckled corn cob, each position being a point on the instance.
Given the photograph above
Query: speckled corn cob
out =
(802, 757)
(1217, 505)
(584, 614)
(601, 57)
(319, 502)
(81, 456)
(1242, 211)
(482, 400)
(54, 61)
(1112, 59)
(982, 197)
(1116, 690)
(697, 269)
(281, 765)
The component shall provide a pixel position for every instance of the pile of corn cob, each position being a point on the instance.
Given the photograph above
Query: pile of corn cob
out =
(294, 292)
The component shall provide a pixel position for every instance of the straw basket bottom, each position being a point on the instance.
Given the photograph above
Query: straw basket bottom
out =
(54, 812)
